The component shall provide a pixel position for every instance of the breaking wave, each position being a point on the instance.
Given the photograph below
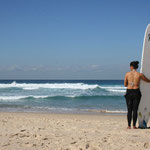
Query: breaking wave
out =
(76, 86)
(48, 97)
(64, 95)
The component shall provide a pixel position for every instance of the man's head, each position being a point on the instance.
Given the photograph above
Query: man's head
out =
(134, 65)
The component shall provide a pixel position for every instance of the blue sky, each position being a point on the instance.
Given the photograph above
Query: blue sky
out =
(70, 39)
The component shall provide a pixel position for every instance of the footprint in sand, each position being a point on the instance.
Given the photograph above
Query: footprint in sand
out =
(104, 139)
(146, 145)
(22, 130)
(45, 138)
(73, 142)
(42, 144)
(14, 135)
(7, 144)
(34, 145)
(22, 136)
(87, 146)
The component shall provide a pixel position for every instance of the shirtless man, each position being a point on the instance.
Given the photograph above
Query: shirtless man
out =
(133, 93)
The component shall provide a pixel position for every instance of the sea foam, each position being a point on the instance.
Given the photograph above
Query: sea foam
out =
(80, 86)
(32, 86)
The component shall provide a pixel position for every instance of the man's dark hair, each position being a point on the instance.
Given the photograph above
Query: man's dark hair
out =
(135, 64)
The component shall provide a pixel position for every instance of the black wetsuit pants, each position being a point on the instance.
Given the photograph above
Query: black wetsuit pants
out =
(133, 97)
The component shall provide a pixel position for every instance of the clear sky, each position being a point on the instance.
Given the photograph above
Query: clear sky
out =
(70, 39)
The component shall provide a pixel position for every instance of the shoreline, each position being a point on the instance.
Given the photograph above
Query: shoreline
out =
(36, 131)
(88, 112)
(67, 113)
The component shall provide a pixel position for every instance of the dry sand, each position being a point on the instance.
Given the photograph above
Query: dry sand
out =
(33, 131)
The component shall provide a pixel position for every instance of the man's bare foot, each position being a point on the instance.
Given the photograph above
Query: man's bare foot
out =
(128, 127)
(134, 127)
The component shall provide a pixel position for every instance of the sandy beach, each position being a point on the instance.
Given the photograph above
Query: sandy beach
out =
(33, 131)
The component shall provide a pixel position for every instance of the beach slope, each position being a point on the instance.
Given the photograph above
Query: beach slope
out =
(35, 131)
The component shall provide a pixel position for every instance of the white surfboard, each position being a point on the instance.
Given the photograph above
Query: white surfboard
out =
(144, 106)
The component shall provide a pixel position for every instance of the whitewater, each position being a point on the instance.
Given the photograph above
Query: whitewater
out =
(62, 95)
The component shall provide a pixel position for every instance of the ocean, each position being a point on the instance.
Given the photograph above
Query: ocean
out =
(62, 96)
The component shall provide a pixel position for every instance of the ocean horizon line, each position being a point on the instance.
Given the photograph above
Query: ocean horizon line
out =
(66, 79)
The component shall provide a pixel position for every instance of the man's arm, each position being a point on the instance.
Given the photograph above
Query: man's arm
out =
(125, 81)
(144, 78)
